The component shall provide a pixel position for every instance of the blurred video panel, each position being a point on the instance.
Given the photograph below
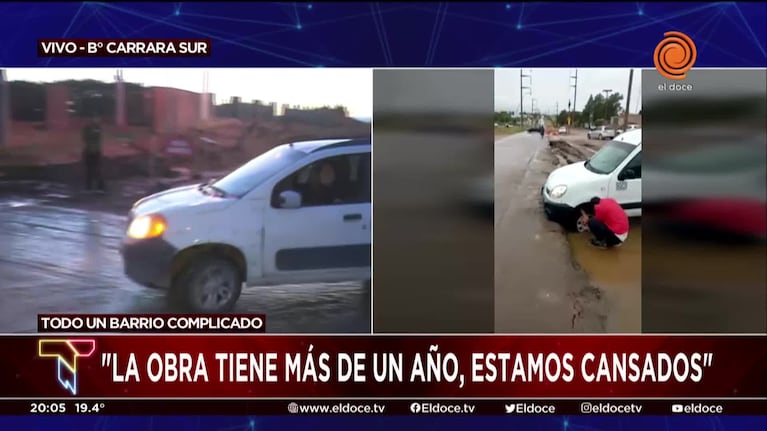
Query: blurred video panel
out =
(705, 145)
(433, 201)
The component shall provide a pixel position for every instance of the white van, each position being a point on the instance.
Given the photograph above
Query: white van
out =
(299, 213)
(615, 171)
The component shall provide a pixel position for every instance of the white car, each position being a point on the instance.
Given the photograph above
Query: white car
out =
(299, 213)
(630, 127)
(562, 130)
(600, 133)
(615, 171)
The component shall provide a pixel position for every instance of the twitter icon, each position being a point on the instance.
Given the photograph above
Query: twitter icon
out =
(510, 408)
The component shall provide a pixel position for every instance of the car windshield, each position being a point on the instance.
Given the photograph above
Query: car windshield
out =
(609, 157)
(251, 174)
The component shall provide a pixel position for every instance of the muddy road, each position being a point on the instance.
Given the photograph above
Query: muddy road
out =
(538, 288)
(59, 254)
(616, 273)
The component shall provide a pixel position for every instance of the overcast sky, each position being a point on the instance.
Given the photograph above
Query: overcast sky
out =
(551, 88)
(315, 87)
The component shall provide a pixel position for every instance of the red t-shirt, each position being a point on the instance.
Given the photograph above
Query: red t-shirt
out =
(612, 215)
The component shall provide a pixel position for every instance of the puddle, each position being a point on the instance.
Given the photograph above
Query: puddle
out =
(618, 272)
(20, 204)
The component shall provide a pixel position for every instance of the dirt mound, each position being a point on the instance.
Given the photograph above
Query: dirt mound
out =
(567, 152)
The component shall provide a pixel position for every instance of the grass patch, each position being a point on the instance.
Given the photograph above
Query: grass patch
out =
(501, 131)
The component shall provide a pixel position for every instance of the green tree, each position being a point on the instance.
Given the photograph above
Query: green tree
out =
(601, 109)
(343, 109)
(503, 117)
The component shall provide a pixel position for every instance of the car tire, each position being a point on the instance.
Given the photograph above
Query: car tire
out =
(191, 292)
(571, 222)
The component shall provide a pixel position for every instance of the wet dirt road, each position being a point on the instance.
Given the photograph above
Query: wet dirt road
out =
(538, 289)
(618, 273)
(64, 260)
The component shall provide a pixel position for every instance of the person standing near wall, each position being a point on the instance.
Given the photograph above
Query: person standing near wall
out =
(92, 155)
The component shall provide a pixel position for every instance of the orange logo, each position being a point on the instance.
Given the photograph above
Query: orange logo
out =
(675, 55)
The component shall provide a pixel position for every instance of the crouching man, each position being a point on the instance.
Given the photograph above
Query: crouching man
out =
(607, 222)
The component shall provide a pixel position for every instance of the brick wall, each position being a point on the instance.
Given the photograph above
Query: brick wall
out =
(57, 116)
(315, 116)
(172, 110)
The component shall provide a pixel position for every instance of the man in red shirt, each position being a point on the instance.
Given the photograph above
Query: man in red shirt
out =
(607, 222)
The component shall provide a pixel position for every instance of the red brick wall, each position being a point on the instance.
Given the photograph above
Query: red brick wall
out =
(57, 116)
(173, 110)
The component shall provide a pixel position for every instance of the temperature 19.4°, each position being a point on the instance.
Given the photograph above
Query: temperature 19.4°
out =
(89, 407)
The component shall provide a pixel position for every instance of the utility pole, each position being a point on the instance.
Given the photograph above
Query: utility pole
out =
(574, 86)
(120, 109)
(205, 97)
(522, 88)
(607, 94)
(628, 101)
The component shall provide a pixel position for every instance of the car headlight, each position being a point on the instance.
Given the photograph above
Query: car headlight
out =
(147, 226)
(558, 191)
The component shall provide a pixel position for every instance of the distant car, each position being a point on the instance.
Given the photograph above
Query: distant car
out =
(630, 127)
(562, 130)
(534, 130)
(600, 133)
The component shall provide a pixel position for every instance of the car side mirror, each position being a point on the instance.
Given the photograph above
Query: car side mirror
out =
(289, 200)
(627, 174)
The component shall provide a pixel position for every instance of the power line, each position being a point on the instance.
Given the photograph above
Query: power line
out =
(574, 86)
(607, 95)
(522, 88)
(628, 100)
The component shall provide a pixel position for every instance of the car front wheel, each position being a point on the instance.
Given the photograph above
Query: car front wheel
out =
(207, 285)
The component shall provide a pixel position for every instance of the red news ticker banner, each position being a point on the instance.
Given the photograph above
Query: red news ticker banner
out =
(252, 366)
(124, 47)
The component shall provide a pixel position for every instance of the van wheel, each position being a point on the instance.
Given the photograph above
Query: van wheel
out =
(573, 223)
(580, 226)
(207, 285)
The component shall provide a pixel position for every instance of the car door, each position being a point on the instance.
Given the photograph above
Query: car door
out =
(626, 186)
(328, 236)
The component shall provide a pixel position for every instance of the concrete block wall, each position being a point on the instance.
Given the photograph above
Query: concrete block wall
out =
(315, 116)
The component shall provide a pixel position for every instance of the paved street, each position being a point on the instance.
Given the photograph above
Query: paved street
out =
(64, 260)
